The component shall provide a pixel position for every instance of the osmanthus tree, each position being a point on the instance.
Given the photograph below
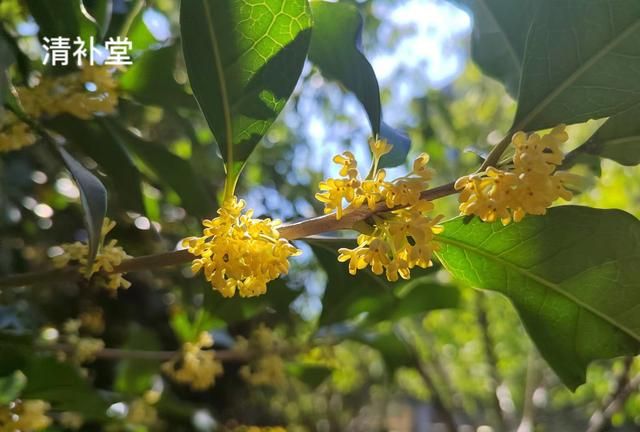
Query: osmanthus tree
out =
(106, 333)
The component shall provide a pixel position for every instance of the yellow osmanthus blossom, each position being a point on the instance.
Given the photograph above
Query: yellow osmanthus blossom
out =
(109, 256)
(258, 429)
(141, 411)
(530, 186)
(14, 134)
(85, 349)
(266, 366)
(194, 365)
(239, 253)
(401, 238)
(71, 420)
(24, 416)
(91, 90)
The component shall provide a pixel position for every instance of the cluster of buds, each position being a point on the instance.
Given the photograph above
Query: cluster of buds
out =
(195, 365)
(109, 256)
(240, 253)
(529, 186)
(401, 237)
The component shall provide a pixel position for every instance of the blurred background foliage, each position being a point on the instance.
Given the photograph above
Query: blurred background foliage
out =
(364, 357)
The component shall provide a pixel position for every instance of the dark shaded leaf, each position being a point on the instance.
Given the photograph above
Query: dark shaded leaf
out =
(61, 385)
(310, 374)
(348, 296)
(336, 48)
(170, 169)
(500, 29)
(110, 155)
(66, 18)
(572, 71)
(94, 200)
(573, 276)
(618, 138)
(150, 80)
(243, 62)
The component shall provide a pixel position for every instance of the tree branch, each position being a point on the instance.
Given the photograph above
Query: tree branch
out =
(126, 354)
(601, 420)
(291, 231)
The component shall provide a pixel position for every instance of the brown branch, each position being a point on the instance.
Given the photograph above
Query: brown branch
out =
(290, 231)
(126, 354)
(600, 421)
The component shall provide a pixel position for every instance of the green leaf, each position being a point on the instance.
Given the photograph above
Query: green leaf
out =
(134, 376)
(112, 157)
(15, 349)
(170, 169)
(500, 29)
(336, 48)
(581, 62)
(93, 196)
(67, 18)
(393, 350)
(150, 79)
(10, 387)
(310, 374)
(347, 296)
(618, 138)
(572, 275)
(6, 60)
(243, 59)
(101, 11)
(62, 386)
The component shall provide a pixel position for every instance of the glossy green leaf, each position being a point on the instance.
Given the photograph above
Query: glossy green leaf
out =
(618, 138)
(581, 62)
(150, 79)
(500, 29)
(93, 196)
(112, 157)
(336, 48)
(243, 59)
(348, 296)
(573, 276)
(393, 350)
(61, 385)
(170, 169)
(67, 18)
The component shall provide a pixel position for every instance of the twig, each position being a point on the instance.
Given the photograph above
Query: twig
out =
(126, 354)
(529, 408)
(600, 421)
(491, 358)
(291, 231)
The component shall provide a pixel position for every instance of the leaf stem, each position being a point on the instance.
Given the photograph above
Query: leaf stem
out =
(130, 18)
(494, 156)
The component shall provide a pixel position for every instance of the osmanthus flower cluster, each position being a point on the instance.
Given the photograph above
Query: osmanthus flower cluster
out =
(195, 365)
(109, 256)
(529, 186)
(401, 237)
(83, 94)
(91, 90)
(238, 253)
(266, 366)
(24, 415)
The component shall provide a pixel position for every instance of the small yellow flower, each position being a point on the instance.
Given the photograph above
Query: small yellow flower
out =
(379, 147)
(401, 238)
(194, 365)
(71, 420)
(238, 253)
(83, 94)
(24, 415)
(14, 134)
(109, 256)
(529, 187)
